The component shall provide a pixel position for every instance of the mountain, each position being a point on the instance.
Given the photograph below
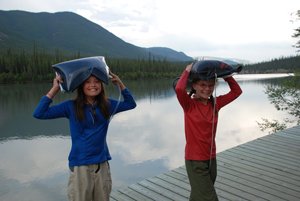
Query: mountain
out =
(64, 30)
(69, 33)
(169, 53)
(229, 61)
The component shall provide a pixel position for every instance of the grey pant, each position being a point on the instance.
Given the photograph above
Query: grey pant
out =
(202, 179)
(90, 182)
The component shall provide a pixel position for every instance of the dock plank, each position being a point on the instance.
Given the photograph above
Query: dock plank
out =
(134, 195)
(173, 188)
(256, 175)
(277, 148)
(266, 168)
(148, 193)
(162, 191)
(283, 139)
(280, 168)
(253, 187)
(289, 165)
(282, 154)
(288, 181)
(117, 195)
(267, 186)
(279, 142)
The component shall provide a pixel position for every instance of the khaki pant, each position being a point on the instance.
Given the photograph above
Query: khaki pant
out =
(202, 179)
(90, 182)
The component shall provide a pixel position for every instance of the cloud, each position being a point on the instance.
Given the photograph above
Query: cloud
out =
(35, 163)
(196, 27)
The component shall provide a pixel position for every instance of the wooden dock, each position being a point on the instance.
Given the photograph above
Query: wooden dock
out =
(267, 168)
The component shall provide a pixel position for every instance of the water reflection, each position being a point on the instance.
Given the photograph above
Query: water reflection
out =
(143, 142)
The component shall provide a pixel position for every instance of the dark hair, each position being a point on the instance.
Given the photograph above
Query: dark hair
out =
(78, 106)
(193, 91)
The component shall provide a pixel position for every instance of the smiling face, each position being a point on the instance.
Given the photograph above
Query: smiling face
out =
(204, 89)
(91, 88)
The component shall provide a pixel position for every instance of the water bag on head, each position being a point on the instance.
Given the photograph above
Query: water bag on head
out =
(76, 71)
(207, 70)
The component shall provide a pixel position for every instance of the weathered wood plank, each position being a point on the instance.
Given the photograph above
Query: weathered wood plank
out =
(286, 150)
(235, 193)
(278, 144)
(261, 173)
(292, 131)
(148, 193)
(280, 153)
(281, 167)
(288, 134)
(163, 191)
(292, 165)
(281, 141)
(117, 195)
(112, 199)
(134, 195)
(178, 176)
(267, 153)
(253, 174)
(269, 186)
(171, 187)
(254, 187)
(175, 182)
(284, 140)
(181, 170)
(275, 172)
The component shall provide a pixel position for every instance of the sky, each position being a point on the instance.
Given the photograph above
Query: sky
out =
(256, 30)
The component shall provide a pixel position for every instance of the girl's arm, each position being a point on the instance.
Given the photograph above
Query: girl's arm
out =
(235, 91)
(128, 102)
(181, 93)
(44, 111)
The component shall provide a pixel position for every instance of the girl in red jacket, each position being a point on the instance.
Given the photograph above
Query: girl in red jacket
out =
(201, 117)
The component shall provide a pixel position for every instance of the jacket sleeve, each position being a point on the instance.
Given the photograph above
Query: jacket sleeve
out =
(235, 91)
(181, 93)
(44, 111)
(127, 104)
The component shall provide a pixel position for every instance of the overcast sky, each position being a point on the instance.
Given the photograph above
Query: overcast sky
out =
(254, 30)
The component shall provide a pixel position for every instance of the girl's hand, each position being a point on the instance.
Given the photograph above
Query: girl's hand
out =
(56, 82)
(189, 67)
(53, 91)
(116, 80)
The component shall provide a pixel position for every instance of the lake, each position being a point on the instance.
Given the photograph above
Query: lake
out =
(143, 142)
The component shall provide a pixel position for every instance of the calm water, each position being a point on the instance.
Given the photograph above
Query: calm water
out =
(143, 142)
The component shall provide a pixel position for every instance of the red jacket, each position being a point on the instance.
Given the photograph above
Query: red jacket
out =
(198, 119)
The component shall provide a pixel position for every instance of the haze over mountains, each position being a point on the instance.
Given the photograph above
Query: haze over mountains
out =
(69, 33)
(231, 61)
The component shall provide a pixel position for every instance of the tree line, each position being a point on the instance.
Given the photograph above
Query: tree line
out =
(36, 66)
(277, 65)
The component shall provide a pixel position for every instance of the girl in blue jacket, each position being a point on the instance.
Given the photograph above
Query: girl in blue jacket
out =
(89, 116)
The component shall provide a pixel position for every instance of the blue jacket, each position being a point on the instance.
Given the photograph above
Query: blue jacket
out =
(89, 144)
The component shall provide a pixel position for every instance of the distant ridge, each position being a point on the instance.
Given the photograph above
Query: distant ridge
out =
(169, 53)
(70, 33)
(230, 61)
(66, 31)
